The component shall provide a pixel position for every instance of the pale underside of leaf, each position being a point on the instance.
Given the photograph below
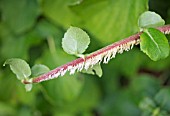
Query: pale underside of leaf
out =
(96, 69)
(19, 67)
(150, 19)
(87, 63)
(75, 41)
(104, 54)
(39, 69)
(100, 18)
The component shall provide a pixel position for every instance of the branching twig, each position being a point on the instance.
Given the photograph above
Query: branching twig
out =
(104, 54)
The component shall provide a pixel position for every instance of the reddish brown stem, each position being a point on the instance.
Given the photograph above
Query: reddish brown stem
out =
(104, 54)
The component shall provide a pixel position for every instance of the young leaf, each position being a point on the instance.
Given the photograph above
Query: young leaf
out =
(150, 19)
(154, 44)
(19, 67)
(96, 69)
(39, 69)
(28, 87)
(75, 41)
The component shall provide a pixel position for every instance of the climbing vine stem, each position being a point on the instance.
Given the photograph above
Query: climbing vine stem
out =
(101, 55)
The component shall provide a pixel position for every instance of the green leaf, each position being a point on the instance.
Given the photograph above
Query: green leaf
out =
(144, 85)
(96, 69)
(20, 45)
(90, 95)
(20, 15)
(88, 98)
(132, 62)
(64, 16)
(47, 29)
(39, 69)
(162, 98)
(75, 41)
(112, 105)
(154, 44)
(101, 18)
(150, 19)
(63, 90)
(147, 104)
(19, 67)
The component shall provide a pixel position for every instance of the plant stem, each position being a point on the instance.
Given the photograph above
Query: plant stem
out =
(52, 48)
(104, 54)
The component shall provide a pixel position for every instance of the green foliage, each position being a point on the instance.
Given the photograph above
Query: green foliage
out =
(163, 98)
(24, 15)
(28, 87)
(75, 41)
(150, 19)
(154, 44)
(158, 105)
(39, 69)
(94, 14)
(19, 67)
(33, 30)
(95, 70)
(23, 71)
(63, 90)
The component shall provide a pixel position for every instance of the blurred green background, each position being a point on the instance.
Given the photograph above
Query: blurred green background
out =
(131, 85)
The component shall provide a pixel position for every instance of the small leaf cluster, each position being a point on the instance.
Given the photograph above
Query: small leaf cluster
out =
(75, 42)
(33, 30)
(156, 106)
(23, 71)
(153, 42)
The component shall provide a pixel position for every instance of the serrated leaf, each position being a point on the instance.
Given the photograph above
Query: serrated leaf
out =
(75, 41)
(19, 67)
(39, 69)
(150, 19)
(96, 69)
(154, 44)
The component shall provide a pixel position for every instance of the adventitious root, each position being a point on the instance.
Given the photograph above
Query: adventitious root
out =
(102, 55)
